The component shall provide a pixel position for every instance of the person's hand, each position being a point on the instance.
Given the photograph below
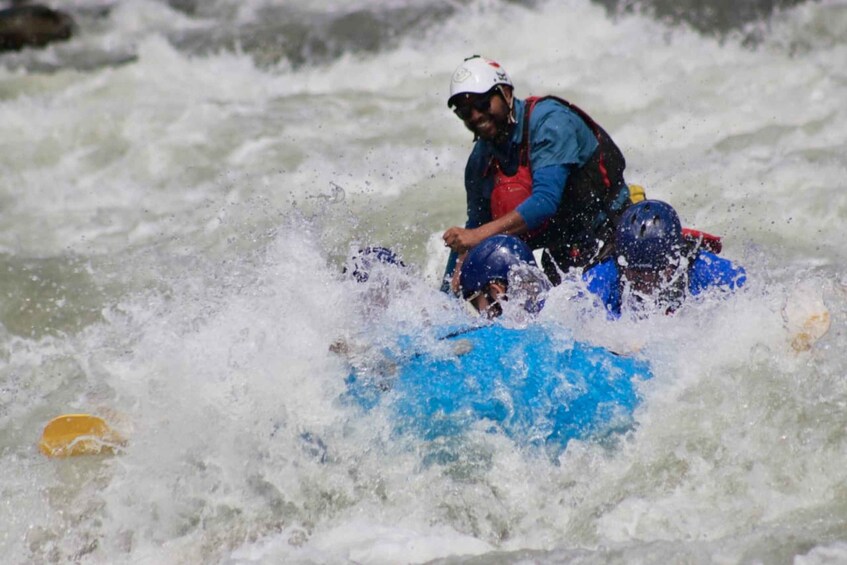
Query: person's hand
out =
(461, 240)
(454, 281)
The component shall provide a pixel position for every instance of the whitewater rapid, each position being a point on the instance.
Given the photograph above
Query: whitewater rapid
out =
(179, 190)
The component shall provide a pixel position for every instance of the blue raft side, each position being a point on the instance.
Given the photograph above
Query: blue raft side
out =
(526, 383)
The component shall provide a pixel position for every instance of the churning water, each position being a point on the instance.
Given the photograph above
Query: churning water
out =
(179, 186)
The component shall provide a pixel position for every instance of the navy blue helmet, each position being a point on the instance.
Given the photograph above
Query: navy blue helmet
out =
(649, 235)
(491, 261)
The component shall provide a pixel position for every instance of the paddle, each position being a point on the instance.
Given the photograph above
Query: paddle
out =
(806, 315)
(78, 434)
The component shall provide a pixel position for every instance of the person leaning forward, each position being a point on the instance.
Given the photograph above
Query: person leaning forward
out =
(540, 169)
(656, 266)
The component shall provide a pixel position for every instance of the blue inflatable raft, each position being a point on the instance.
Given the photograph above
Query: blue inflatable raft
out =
(533, 385)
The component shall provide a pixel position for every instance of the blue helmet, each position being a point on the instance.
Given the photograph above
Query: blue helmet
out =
(649, 235)
(491, 261)
(360, 265)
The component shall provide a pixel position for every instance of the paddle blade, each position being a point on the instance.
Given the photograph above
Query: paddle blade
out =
(78, 434)
(806, 316)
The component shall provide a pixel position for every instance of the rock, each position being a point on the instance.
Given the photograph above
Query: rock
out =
(33, 26)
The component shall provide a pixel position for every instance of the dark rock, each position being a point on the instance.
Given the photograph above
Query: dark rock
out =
(33, 26)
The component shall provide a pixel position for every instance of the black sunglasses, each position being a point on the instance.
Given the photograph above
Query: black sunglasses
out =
(480, 103)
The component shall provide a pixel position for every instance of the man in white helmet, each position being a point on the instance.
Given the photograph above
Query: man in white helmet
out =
(540, 169)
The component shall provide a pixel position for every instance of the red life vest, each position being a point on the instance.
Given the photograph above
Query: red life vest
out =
(511, 190)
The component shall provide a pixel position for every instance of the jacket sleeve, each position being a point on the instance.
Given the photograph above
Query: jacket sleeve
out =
(547, 187)
(559, 142)
(711, 271)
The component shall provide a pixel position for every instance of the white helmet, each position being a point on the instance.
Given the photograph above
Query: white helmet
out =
(476, 75)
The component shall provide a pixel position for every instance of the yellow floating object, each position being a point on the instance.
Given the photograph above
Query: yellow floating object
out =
(636, 193)
(806, 315)
(814, 328)
(69, 435)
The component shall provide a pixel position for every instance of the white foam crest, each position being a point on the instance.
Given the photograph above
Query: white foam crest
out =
(219, 375)
(141, 18)
(217, 396)
(380, 544)
(818, 28)
(824, 554)
(718, 445)
(162, 125)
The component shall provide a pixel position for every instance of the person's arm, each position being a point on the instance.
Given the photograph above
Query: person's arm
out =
(454, 280)
(547, 187)
(450, 280)
(560, 143)
(548, 184)
(461, 240)
(449, 270)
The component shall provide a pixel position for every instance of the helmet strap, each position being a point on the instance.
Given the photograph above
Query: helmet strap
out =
(511, 102)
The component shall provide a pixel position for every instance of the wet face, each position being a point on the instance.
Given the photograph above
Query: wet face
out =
(486, 115)
(487, 302)
(647, 281)
(662, 288)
